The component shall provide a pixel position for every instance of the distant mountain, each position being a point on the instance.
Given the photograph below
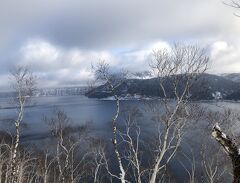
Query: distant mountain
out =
(207, 87)
(232, 76)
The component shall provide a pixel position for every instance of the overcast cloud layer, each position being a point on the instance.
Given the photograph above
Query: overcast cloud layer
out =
(60, 39)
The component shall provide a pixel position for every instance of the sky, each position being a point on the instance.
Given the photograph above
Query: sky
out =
(60, 39)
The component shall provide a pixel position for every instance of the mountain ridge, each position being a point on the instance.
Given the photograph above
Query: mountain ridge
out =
(207, 87)
(232, 76)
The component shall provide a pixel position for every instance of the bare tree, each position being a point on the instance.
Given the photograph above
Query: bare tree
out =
(113, 81)
(131, 142)
(211, 160)
(71, 166)
(234, 4)
(99, 160)
(44, 165)
(190, 159)
(24, 84)
(5, 158)
(179, 68)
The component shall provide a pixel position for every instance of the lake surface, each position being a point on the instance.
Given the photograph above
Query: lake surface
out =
(81, 110)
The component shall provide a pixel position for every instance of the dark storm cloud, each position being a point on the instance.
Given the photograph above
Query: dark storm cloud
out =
(106, 23)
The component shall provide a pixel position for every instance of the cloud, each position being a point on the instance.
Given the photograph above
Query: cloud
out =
(41, 54)
(63, 37)
(57, 66)
(138, 59)
(106, 24)
(225, 57)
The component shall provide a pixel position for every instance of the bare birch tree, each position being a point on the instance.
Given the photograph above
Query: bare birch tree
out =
(133, 144)
(113, 81)
(176, 69)
(70, 161)
(24, 84)
(99, 161)
(211, 161)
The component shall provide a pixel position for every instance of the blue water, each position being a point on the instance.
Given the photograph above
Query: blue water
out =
(83, 110)
(80, 109)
